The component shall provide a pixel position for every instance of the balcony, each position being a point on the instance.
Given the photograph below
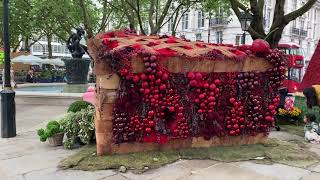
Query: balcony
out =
(299, 32)
(218, 22)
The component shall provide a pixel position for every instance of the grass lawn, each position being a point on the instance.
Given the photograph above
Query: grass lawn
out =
(289, 153)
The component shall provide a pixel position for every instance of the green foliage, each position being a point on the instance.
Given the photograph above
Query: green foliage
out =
(53, 127)
(46, 75)
(78, 106)
(78, 126)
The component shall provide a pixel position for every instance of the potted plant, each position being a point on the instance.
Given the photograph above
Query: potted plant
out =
(53, 133)
(78, 125)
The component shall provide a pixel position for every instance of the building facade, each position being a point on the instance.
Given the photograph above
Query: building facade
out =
(194, 25)
(59, 48)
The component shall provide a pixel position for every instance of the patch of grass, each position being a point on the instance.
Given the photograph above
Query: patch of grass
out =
(293, 129)
(274, 151)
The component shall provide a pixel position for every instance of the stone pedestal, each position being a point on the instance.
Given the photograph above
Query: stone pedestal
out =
(77, 70)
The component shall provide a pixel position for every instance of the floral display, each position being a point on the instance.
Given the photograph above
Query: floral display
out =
(157, 105)
(294, 113)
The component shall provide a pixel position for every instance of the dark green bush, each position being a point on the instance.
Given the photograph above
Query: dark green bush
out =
(53, 127)
(78, 106)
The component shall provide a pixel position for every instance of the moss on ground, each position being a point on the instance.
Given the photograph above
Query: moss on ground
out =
(290, 153)
(293, 129)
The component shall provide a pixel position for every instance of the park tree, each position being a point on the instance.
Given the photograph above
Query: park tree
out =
(280, 18)
(22, 24)
(155, 12)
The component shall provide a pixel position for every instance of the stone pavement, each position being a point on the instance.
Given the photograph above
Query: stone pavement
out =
(26, 158)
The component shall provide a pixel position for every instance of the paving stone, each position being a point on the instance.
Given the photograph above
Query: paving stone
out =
(115, 177)
(226, 171)
(284, 136)
(316, 168)
(315, 150)
(197, 164)
(169, 172)
(312, 176)
(55, 174)
(34, 161)
(278, 171)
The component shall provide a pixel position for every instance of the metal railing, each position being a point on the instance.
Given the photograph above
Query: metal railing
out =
(218, 22)
(299, 32)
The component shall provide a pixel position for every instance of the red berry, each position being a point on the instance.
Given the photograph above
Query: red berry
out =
(198, 76)
(144, 77)
(206, 85)
(212, 86)
(136, 78)
(171, 109)
(163, 87)
(165, 77)
(191, 75)
(217, 82)
(193, 83)
(232, 100)
(260, 46)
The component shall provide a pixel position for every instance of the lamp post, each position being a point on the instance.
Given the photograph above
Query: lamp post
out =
(8, 106)
(245, 21)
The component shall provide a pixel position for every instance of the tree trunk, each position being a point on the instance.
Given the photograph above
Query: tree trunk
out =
(49, 37)
(26, 44)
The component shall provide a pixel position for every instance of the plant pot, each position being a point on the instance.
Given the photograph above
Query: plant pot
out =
(56, 140)
(77, 70)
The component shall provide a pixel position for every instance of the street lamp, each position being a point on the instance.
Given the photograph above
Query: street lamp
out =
(8, 106)
(245, 21)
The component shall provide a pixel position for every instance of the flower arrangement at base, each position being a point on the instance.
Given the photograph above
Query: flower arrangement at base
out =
(293, 115)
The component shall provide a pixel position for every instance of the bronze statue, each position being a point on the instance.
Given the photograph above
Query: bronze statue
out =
(76, 49)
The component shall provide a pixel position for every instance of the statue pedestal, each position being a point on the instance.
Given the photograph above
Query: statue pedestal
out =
(77, 70)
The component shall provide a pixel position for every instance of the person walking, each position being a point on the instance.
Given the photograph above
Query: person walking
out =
(30, 78)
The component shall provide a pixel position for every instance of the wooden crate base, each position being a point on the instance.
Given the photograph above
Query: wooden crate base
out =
(197, 142)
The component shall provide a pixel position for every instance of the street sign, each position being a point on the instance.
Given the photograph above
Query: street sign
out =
(1, 57)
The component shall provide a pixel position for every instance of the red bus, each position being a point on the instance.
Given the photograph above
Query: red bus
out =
(295, 66)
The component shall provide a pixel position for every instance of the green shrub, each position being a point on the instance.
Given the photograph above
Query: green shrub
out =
(78, 106)
(53, 127)
(78, 126)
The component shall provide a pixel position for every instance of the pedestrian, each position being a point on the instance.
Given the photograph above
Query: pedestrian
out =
(311, 129)
(30, 76)
(13, 83)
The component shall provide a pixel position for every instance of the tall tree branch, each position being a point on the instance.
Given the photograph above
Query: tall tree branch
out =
(299, 12)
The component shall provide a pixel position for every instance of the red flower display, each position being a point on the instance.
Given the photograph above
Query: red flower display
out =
(158, 106)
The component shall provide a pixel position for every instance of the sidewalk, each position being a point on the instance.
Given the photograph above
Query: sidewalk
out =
(26, 158)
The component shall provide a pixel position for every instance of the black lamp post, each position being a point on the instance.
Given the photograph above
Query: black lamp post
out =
(245, 21)
(8, 106)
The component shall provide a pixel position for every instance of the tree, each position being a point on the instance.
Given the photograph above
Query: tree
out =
(155, 13)
(22, 23)
(280, 19)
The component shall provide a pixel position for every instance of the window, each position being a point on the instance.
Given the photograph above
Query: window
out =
(219, 37)
(55, 49)
(170, 24)
(301, 24)
(294, 4)
(185, 20)
(37, 48)
(198, 37)
(43, 38)
(238, 37)
(294, 24)
(200, 19)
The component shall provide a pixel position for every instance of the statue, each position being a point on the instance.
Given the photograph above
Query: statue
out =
(76, 49)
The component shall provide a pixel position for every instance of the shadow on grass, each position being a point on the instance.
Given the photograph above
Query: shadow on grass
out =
(289, 153)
